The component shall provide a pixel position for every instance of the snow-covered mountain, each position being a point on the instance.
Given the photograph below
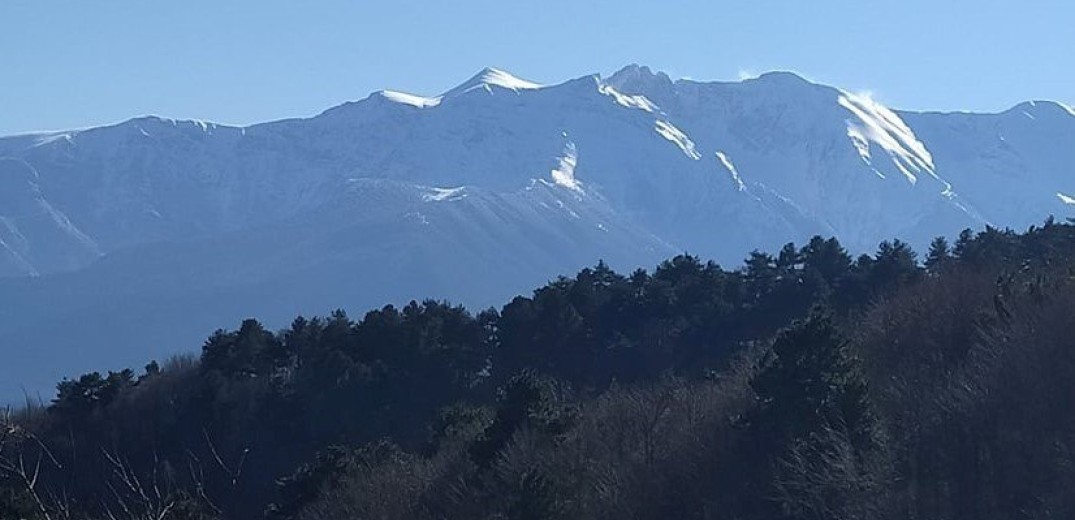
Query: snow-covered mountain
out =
(117, 241)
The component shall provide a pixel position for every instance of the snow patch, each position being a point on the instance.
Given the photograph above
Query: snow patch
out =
(417, 216)
(564, 173)
(488, 79)
(862, 145)
(500, 78)
(727, 163)
(409, 99)
(560, 204)
(874, 123)
(679, 138)
(640, 102)
(445, 194)
(50, 138)
(21, 261)
(67, 227)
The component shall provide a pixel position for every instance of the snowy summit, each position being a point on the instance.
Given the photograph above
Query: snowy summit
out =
(488, 189)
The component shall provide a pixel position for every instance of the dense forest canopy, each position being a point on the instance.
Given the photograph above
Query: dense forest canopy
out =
(805, 384)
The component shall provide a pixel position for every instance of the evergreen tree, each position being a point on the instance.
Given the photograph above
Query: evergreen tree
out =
(249, 352)
(894, 265)
(760, 273)
(527, 399)
(939, 255)
(813, 409)
(963, 243)
(809, 381)
(788, 258)
(827, 258)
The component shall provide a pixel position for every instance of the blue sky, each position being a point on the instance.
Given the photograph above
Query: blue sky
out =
(76, 63)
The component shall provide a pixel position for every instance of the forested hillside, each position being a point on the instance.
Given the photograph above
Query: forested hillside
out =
(805, 384)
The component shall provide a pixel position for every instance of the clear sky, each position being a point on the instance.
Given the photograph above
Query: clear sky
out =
(76, 63)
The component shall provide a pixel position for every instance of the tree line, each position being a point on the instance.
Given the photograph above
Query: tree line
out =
(805, 384)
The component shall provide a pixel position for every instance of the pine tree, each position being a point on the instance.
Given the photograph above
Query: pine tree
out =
(251, 351)
(809, 381)
(528, 399)
(813, 410)
(894, 265)
(939, 255)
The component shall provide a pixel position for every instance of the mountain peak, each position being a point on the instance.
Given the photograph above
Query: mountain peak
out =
(640, 80)
(486, 185)
(1040, 108)
(639, 72)
(491, 78)
(635, 77)
(782, 77)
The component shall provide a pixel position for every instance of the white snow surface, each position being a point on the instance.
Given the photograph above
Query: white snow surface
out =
(490, 79)
(875, 124)
(410, 99)
(564, 173)
(476, 195)
(675, 135)
(639, 102)
(445, 194)
(727, 164)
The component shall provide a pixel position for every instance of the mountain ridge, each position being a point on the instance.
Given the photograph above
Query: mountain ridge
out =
(1068, 109)
(494, 186)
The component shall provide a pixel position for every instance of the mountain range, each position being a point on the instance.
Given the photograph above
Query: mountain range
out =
(128, 242)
